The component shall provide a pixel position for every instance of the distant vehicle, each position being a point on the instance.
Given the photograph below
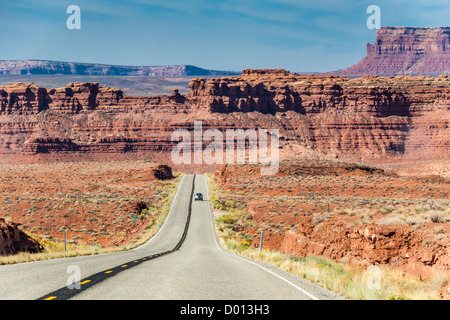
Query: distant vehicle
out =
(199, 196)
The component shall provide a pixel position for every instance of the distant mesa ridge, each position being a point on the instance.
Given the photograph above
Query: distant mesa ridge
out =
(404, 51)
(47, 67)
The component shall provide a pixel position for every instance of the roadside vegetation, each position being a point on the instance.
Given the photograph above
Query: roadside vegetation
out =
(239, 232)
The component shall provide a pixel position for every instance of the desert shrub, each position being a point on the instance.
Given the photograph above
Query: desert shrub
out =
(230, 204)
(217, 203)
(390, 220)
(320, 217)
(386, 209)
(227, 219)
(436, 216)
(433, 204)
(414, 221)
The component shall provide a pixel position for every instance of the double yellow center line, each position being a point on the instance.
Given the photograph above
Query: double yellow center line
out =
(66, 293)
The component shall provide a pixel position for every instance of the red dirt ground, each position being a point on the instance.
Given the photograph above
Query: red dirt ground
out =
(94, 202)
(347, 212)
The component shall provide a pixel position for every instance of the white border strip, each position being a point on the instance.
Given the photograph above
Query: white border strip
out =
(167, 216)
(254, 263)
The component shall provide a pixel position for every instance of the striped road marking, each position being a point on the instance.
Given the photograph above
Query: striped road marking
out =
(66, 293)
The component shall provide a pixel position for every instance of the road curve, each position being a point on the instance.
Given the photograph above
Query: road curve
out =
(182, 262)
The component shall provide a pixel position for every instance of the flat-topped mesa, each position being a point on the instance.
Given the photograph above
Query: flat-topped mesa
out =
(406, 40)
(93, 69)
(405, 51)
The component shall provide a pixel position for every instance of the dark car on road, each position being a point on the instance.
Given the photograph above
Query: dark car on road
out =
(198, 196)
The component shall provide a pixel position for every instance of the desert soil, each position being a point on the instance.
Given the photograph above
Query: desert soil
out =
(93, 201)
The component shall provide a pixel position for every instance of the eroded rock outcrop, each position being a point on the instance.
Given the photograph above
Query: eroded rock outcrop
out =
(163, 172)
(395, 245)
(13, 240)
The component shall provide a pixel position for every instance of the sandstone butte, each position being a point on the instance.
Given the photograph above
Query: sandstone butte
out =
(369, 117)
(405, 51)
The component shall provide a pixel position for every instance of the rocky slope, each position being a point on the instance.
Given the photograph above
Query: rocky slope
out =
(368, 117)
(14, 240)
(76, 68)
(405, 51)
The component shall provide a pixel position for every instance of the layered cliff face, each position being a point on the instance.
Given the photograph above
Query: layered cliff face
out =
(278, 92)
(405, 51)
(251, 92)
(369, 117)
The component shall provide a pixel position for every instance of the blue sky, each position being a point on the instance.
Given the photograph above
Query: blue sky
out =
(298, 35)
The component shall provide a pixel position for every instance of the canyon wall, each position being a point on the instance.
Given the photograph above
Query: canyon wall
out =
(368, 117)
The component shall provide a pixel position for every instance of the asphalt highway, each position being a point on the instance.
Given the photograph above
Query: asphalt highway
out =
(183, 261)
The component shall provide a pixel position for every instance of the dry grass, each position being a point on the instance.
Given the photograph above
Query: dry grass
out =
(352, 282)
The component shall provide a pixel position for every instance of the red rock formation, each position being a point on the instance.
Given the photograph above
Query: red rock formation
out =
(13, 240)
(247, 93)
(21, 99)
(368, 116)
(405, 51)
(396, 245)
(163, 172)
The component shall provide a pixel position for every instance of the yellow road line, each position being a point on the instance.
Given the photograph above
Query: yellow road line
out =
(50, 298)
(86, 281)
(124, 266)
(108, 271)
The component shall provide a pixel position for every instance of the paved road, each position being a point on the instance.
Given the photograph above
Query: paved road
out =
(191, 267)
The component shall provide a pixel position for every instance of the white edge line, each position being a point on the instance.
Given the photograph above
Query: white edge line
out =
(167, 216)
(254, 263)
